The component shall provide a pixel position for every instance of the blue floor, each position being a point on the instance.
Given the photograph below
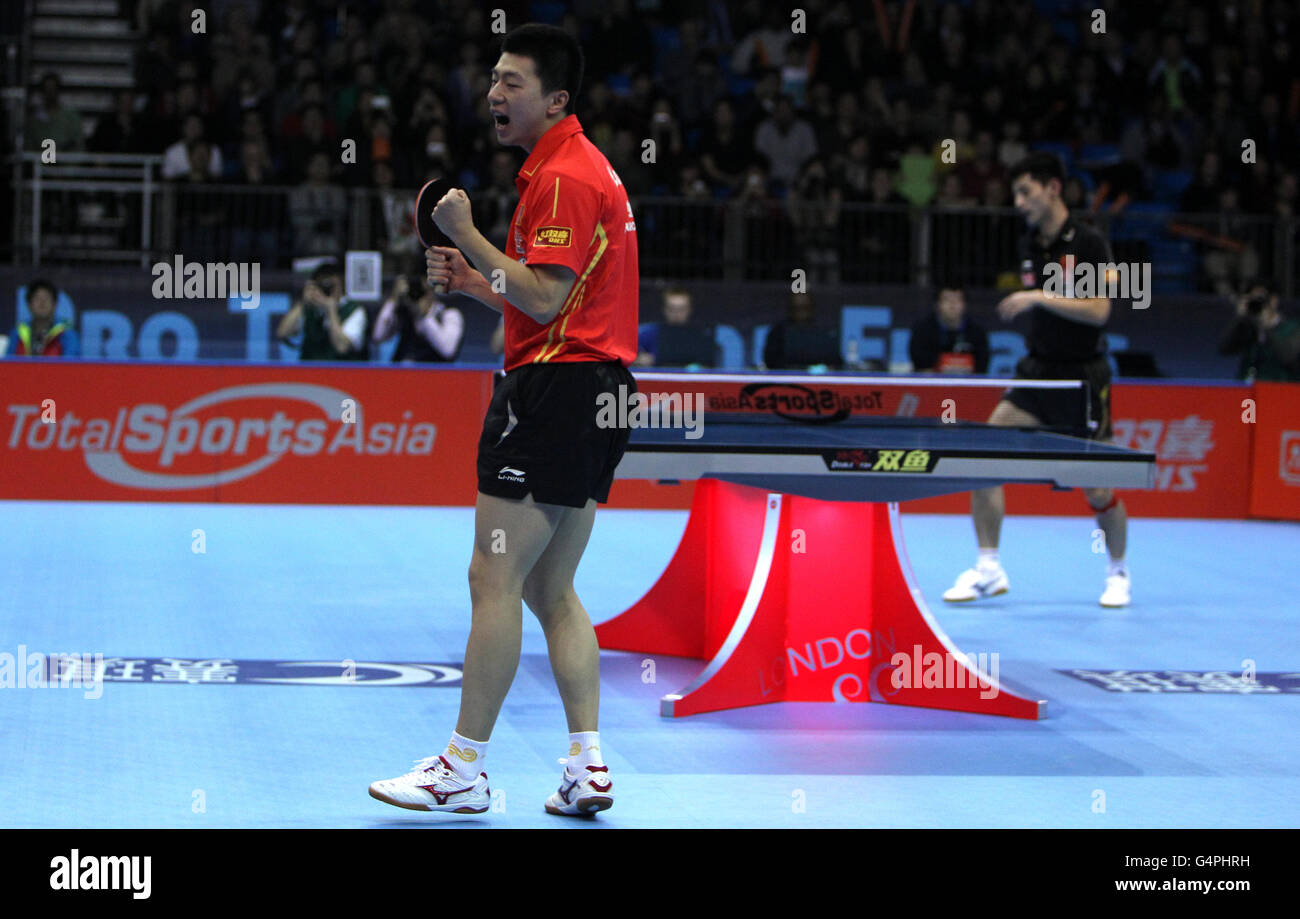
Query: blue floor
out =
(388, 585)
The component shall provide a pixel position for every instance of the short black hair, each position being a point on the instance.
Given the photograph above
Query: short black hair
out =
(326, 269)
(1041, 166)
(39, 283)
(555, 53)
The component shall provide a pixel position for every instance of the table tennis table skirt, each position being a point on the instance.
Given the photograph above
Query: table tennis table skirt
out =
(790, 598)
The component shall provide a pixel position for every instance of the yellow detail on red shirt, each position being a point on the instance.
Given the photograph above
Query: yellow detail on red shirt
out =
(573, 211)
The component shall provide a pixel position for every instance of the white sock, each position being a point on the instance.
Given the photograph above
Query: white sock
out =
(988, 558)
(1117, 566)
(466, 756)
(584, 751)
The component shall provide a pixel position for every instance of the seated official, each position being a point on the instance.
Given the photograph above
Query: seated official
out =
(947, 341)
(42, 336)
(676, 341)
(798, 342)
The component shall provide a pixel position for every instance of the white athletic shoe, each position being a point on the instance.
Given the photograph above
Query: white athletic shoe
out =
(978, 583)
(592, 791)
(1117, 591)
(434, 786)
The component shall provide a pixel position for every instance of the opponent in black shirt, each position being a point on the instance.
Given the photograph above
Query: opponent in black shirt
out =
(1065, 342)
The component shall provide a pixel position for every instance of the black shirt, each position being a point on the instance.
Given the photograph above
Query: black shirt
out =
(1052, 337)
(930, 340)
(412, 346)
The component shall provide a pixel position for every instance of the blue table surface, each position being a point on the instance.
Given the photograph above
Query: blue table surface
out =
(765, 432)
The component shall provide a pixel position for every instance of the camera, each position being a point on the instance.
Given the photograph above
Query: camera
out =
(1255, 304)
(416, 285)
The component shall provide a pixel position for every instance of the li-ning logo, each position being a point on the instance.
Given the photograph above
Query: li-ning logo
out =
(508, 474)
(467, 755)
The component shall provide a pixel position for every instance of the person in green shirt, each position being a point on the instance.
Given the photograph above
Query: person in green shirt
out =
(1268, 342)
(333, 327)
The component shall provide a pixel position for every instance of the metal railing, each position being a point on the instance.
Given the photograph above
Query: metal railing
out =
(101, 207)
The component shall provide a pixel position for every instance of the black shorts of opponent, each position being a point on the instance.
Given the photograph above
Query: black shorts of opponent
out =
(540, 434)
(1062, 410)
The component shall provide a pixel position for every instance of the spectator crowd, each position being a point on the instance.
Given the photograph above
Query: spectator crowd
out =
(856, 103)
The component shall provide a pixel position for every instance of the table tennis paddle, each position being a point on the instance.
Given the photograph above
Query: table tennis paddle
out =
(425, 228)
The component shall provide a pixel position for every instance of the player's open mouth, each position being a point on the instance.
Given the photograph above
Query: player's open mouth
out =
(501, 120)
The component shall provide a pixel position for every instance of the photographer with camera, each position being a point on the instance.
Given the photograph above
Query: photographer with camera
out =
(428, 329)
(333, 327)
(1269, 343)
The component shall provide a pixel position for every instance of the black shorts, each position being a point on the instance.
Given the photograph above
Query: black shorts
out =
(1063, 409)
(541, 435)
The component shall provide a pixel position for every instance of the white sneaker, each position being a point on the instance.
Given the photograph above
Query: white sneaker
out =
(434, 786)
(978, 583)
(591, 792)
(1117, 591)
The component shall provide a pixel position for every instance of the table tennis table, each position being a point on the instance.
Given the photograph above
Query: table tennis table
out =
(791, 578)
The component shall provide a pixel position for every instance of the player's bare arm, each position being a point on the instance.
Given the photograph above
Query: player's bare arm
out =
(1092, 310)
(291, 322)
(448, 267)
(537, 291)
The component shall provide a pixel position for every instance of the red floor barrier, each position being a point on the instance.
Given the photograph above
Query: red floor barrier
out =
(791, 599)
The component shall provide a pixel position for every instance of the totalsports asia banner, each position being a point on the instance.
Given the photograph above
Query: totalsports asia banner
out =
(294, 435)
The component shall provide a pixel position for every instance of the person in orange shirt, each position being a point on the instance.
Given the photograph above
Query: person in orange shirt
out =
(567, 286)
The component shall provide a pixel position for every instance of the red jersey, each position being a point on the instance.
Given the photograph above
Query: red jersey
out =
(573, 211)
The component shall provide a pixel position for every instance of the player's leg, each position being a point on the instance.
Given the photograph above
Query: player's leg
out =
(509, 537)
(987, 579)
(1112, 519)
(1112, 516)
(570, 638)
(575, 660)
(987, 504)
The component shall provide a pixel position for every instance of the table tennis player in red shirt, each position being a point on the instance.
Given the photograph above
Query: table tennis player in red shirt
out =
(567, 285)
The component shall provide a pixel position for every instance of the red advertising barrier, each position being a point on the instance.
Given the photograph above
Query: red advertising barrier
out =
(283, 435)
(1202, 447)
(279, 434)
(1197, 432)
(1275, 480)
